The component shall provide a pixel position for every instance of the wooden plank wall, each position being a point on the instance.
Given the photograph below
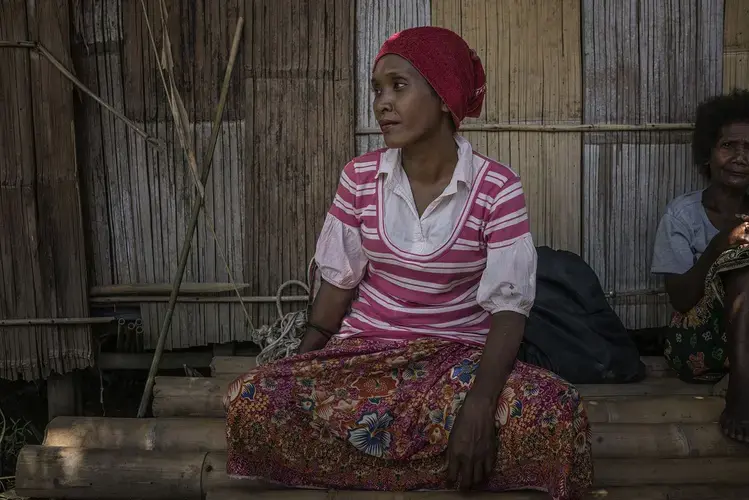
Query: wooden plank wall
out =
(520, 43)
(303, 60)
(736, 45)
(289, 129)
(531, 50)
(571, 62)
(376, 20)
(644, 62)
(42, 256)
(287, 132)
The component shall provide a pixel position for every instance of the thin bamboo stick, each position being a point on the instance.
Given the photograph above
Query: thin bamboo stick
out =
(197, 206)
(163, 289)
(177, 107)
(41, 49)
(145, 299)
(57, 321)
(612, 294)
(589, 127)
(120, 334)
(261, 299)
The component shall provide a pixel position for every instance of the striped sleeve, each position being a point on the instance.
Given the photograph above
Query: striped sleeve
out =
(508, 217)
(345, 206)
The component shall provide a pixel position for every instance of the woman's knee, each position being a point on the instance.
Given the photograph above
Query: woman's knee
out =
(736, 281)
(736, 302)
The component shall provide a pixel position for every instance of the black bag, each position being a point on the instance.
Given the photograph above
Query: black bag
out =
(572, 330)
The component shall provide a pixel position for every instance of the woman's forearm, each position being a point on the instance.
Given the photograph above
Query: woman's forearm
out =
(498, 358)
(685, 290)
(328, 310)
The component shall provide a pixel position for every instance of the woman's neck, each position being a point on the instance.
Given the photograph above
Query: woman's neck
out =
(432, 160)
(724, 200)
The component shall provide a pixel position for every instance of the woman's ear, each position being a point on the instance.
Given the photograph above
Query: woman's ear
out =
(444, 108)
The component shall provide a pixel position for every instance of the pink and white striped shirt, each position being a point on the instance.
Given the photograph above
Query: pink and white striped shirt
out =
(443, 274)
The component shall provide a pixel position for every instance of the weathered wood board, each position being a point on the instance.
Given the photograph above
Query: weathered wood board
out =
(42, 252)
(287, 132)
(736, 45)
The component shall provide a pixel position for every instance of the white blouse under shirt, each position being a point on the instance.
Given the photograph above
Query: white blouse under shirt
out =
(507, 284)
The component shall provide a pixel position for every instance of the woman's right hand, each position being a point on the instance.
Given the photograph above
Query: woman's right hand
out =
(737, 236)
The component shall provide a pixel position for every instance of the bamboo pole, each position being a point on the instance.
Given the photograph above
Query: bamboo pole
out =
(589, 127)
(613, 294)
(55, 472)
(197, 206)
(56, 321)
(120, 334)
(667, 440)
(136, 299)
(714, 492)
(655, 401)
(655, 366)
(148, 291)
(163, 288)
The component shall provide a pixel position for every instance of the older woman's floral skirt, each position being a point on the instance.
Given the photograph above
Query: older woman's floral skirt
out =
(377, 415)
(696, 344)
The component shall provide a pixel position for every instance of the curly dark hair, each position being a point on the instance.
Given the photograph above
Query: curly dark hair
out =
(712, 115)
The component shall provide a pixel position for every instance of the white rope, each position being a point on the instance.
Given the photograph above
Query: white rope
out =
(282, 338)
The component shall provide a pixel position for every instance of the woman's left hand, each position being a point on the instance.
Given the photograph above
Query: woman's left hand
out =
(472, 448)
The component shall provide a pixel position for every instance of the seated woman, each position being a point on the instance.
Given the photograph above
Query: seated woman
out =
(406, 377)
(700, 247)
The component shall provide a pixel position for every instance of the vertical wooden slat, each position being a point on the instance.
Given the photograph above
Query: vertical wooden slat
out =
(376, 20)
(143, 195)
(645, 61)
(88, 41)
(303, 133)
(42, 253)
(736, 45)
(250, 254)
(19, 267)
(59, 234)
(531, 53)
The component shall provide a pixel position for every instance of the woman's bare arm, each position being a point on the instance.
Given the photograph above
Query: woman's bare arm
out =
(472, 448)
(498, 358)
(685, 290)
(328, 310)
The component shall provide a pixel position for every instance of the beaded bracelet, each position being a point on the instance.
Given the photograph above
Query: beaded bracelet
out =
(327, 333)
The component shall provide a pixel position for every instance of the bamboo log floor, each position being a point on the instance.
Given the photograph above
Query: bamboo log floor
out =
(654, 440)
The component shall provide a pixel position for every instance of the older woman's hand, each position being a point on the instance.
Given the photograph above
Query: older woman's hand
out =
(473, 444)
(738, 235)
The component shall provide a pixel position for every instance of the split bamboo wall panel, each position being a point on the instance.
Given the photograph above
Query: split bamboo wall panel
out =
(300, 107)
(644, 62)
(569, 62)
(531, 50)
(286, 134)
(42, 253)
(376, 20)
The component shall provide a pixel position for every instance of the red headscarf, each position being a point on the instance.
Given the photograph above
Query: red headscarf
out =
(446, 61)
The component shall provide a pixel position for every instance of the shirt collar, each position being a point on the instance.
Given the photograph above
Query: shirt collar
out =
(390, 166)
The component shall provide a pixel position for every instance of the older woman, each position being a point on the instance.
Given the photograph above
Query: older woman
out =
(701, 249)
(406, 377)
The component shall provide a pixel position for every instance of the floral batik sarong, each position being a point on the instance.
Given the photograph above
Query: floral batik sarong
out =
(377, 415)
(696, 342)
